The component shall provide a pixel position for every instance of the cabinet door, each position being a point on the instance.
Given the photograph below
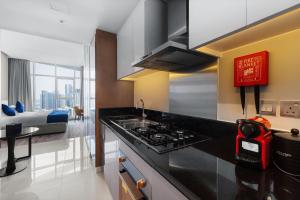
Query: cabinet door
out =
(211, 19)
(141, 33)
(111, 167)
(138, 31)
(260, 9)
(125, 55)
(161, 188)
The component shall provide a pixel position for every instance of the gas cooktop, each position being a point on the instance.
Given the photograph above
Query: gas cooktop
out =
(159, 136)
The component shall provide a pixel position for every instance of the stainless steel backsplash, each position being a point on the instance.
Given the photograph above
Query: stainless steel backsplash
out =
(194, 94)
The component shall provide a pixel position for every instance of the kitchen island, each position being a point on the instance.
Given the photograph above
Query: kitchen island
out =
(204, 170)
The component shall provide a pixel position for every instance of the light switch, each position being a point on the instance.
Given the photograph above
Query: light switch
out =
(268, 107)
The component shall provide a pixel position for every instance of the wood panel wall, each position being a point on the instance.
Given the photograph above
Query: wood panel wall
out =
(110, 92)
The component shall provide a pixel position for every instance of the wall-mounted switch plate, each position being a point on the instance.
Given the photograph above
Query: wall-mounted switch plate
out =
(268, 107)
(290, 109)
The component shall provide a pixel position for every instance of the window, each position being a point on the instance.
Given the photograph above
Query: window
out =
(65, 72)
(77, 74)
(65, 93)
(44, 93)
(55, 86)
(77, 92)
(43, 69)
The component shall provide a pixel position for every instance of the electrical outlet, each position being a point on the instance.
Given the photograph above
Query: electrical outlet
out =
(268, 107)
(290, 109)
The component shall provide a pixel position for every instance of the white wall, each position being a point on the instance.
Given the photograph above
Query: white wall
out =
(41, 49)
(4, 78)
(0, 68)
(0, 83)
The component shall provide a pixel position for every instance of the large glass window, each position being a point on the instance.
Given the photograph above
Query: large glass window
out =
(65, 93)
(43, 69)
(55, 86)
(77, 92)
(65, 72)
(44, 92)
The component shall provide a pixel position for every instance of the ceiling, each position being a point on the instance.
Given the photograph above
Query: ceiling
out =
(41, 49)
(68, 20)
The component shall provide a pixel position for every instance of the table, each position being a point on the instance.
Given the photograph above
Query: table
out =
(15, 165)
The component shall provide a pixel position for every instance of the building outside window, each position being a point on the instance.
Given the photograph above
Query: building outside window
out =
(55, 86)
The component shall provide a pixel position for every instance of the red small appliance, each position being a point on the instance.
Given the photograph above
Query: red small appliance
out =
(253, 142)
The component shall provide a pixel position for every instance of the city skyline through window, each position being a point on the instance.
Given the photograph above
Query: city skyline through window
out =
(55, 87)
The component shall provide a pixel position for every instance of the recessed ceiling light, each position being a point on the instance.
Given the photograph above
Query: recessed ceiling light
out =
(59, 6)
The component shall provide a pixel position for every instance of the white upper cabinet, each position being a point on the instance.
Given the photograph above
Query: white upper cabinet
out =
(140, 34)
(212, 19)
(125, 53)
(131, 42)
(138, 22)
(209, 20)
(260, 9)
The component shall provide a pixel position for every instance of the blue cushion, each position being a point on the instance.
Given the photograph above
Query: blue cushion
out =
(57, 116)
(8, 110)
(19, 107)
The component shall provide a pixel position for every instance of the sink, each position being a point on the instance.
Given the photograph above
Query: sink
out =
(134, 123)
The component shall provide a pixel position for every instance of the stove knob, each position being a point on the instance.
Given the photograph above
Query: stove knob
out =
(179, 136)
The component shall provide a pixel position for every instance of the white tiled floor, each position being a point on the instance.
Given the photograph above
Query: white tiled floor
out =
(57, 170)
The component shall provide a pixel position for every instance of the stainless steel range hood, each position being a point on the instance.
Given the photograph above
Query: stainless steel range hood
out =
(174, 55)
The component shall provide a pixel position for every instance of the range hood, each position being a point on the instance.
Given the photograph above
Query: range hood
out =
(174, 55)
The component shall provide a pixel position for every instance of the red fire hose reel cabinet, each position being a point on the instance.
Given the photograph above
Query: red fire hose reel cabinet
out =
(251, 70)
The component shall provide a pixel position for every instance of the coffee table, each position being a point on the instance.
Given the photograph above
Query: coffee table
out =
(15, 165)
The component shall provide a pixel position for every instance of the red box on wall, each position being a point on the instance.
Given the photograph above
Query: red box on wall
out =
(251, 69)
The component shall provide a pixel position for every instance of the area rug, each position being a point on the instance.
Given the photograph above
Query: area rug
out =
(75, 129)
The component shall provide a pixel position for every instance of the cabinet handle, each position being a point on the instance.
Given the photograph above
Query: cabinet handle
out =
(145, 56)
(121, 159)
(140, 184)
(130, 187)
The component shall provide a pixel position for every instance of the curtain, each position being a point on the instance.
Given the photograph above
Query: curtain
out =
(19, 84)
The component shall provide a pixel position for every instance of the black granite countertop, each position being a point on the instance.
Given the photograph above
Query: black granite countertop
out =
(207, 170)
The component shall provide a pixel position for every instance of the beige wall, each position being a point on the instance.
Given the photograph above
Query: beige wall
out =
(284, 81)
(154, 90)
(284, 78)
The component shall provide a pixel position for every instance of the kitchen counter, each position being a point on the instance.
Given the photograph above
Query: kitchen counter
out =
(207, 170)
